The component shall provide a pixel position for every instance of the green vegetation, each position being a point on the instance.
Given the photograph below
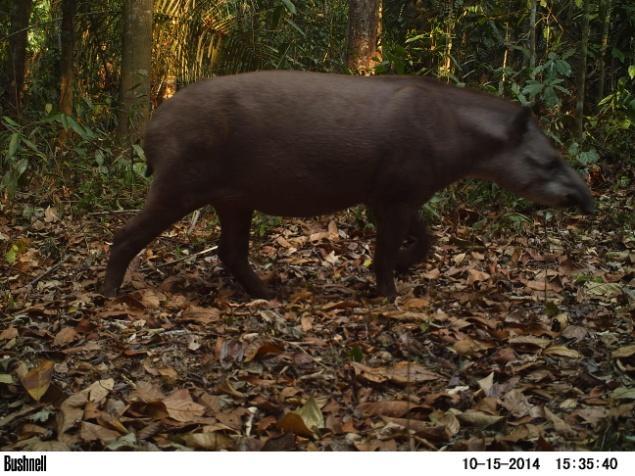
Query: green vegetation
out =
(529, 51)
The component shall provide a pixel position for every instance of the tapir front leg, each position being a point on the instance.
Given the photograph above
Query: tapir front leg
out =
(392, 226)
(417, 251)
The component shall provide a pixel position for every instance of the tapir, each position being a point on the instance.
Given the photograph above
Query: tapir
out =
(301, 144)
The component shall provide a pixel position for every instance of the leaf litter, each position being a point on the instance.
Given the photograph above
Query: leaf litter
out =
(501, 340)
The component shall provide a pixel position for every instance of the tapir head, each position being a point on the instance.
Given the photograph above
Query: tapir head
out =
(529, 166)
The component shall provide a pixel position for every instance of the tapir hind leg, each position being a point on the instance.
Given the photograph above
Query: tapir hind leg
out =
(159, 212)
(417, 251)
(234, 249)
(392, 226)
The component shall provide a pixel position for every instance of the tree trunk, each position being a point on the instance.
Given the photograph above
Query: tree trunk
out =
(446, 66)
(135, 69)
(581, 79)
(533, 4)
(20, 12)
(69, 8)
(501, 83)
(363, 29)
(604, 45)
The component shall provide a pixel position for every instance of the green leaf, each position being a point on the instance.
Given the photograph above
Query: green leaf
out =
(631, 71)
(9, 121)
(12, 254)
(13, 145)
(139, 151)
(617, 54)
(290, 6)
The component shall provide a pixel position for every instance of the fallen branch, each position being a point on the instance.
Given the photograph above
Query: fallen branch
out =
(114, 212)
(195, 255)
(48, 271)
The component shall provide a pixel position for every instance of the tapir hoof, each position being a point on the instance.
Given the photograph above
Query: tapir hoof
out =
(262, 293)
(108, 291)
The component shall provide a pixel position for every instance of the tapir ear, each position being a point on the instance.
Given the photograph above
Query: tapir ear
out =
(520, 123)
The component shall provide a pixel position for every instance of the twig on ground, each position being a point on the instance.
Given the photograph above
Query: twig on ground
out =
(199, 253)
(48, 271)
(114, 212)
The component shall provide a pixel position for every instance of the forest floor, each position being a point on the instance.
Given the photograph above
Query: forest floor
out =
(504, 339)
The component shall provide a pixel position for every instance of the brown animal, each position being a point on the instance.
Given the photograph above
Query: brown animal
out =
(304, 144)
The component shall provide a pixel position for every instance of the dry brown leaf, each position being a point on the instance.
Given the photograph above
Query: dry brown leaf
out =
(37, 380)
(475, 276)
(168, 373)
(260, 349)
(180, 406)
(402, 372)
(431, 431)
(530, 340)
(516, 403)
(202, 315)
(479, 419)
(487, 384)
(91, 432)
(394, 408)
(148, 393)
(415, 303)
(624, 352)
(303, 422)
(65, 336)
(558, 423)
(71, 411)
(306, 323)
(99, 390)
(561, 351)
(208, 441)
(577, 333)
(9, 333)
(432, 274)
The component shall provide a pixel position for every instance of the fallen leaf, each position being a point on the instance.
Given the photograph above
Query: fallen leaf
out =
(99, 390)
(415, 303)
(305, 421)
(71, 411)
(91, 432)
(37, 380)
(624, 352)
(402, 373)
(558, 423)
(562, 351)
(208, 441)
(260, 349)
(180, 406)
(475, 276)
(395, 408)
(65, 336)
(623, 393)
(9, 333)
(516, 403)
(148, 393)
(426, 429)
(486, 384)
(479, 419)
(530, 340)
(202, 315)
(603, 290)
